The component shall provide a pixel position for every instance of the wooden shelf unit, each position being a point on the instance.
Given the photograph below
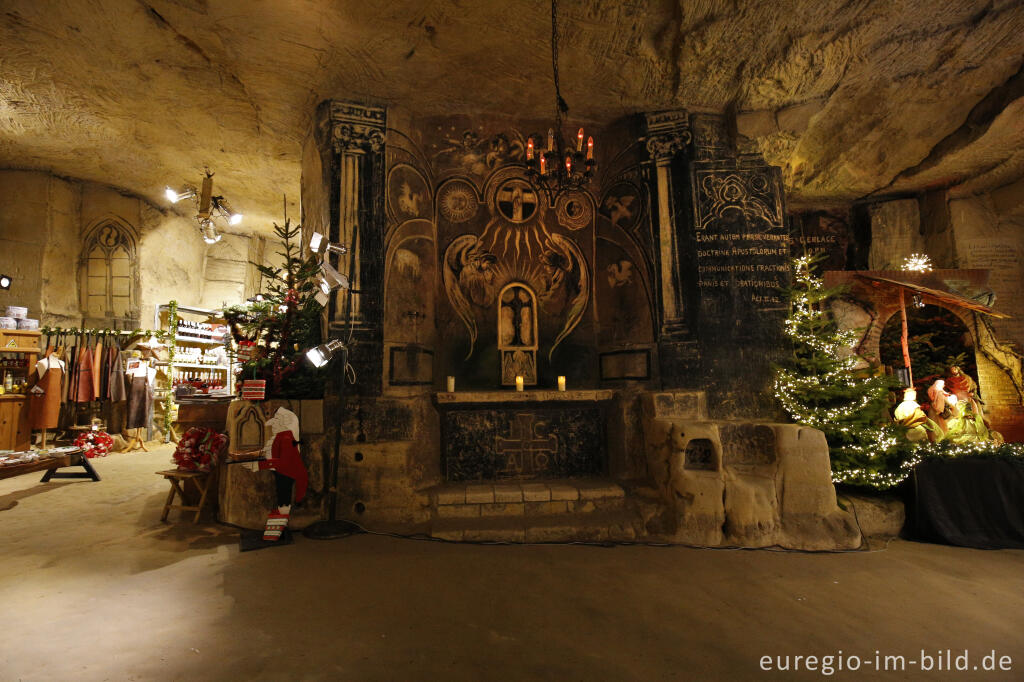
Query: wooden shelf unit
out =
(15, 432)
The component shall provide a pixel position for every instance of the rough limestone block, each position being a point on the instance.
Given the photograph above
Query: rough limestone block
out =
(501, 509)
(675, 405)
(507, 492)
(751, 510)
(804, 476)
(877, 516)
(562, 491)
(458, 511)
(479, 494)
(454, 495)
(596, 491)
(754, 124)
(536, 492)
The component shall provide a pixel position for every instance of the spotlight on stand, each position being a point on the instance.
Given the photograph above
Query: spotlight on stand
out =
(187, 192)
(5, 282)
(318, 244)
(329, 280)
(325, 352)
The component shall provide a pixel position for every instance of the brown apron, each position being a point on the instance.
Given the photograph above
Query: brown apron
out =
(44, 408)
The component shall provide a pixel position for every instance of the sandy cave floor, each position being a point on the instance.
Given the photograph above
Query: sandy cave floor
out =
(94, 587)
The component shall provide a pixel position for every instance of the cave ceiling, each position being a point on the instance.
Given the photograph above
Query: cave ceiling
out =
(849, 98)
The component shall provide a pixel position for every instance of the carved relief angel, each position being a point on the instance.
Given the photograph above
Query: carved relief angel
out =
(468, 280)
(567, 284)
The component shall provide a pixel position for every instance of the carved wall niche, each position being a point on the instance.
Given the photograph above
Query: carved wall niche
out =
(109, 275)
(517, 334)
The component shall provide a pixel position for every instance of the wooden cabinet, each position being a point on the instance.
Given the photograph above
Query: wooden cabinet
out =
(14, 424)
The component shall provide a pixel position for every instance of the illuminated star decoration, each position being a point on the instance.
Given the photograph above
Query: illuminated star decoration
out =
(917, 262)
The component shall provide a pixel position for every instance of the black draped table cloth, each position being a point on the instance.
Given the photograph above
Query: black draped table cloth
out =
(970, 501)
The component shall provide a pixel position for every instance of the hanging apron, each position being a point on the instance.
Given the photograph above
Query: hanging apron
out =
(84, 372)
(44, 408)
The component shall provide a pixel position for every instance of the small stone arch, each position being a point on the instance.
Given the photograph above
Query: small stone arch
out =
(517, 333)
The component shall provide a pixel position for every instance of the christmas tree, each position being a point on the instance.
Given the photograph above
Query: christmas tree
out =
(282, 323)
(824, 384)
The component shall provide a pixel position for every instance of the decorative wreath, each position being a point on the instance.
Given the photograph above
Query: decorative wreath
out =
(199, 448)
(95, 443)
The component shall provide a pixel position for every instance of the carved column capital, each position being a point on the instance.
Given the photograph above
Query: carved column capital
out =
(668, 134)
(355, 127)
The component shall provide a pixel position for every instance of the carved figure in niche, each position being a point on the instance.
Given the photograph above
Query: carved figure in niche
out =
(965, 389)
(517, 321)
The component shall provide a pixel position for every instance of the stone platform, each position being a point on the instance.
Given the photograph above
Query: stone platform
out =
(543, 511)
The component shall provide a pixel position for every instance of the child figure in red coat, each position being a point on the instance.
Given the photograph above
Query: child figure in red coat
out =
(281, 455)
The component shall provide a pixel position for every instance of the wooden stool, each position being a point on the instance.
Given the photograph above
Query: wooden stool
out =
(201, 479)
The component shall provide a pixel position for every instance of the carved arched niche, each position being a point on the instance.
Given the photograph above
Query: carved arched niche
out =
(517, 333)
(109, 275)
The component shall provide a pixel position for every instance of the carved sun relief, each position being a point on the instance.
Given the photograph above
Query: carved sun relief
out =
(516, 245)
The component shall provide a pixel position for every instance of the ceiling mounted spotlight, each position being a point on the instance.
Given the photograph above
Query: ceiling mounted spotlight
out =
(325, 352)
(209, 207)
(5, 282)
(318, 244)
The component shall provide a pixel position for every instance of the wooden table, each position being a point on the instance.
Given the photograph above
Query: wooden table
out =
(51, 465)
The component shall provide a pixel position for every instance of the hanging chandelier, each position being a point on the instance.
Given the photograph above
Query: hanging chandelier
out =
(560, 166)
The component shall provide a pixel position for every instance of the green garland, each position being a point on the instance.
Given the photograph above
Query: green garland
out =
(172, 325)
(75, 331)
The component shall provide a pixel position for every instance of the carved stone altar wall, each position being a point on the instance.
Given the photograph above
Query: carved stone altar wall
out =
(466, 230)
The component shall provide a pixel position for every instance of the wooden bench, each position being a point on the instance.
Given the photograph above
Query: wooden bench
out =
(51, 464)
(178, 479)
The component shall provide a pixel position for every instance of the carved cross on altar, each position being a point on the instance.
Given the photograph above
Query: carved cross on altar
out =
(526, 452)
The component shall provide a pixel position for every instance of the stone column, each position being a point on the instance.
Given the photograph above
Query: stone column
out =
(667, 137)
(352, 137)
(668, 134)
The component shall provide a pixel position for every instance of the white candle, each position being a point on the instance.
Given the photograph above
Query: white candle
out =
(561, 383)
(519, 383)
(451, 384)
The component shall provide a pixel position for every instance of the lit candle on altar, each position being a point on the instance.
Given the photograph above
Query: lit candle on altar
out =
(529, 149)
(568, 164)
(519, 383)
(561, 383)
(579, 140)
(543, 165)
(551, 139)
(451, 384)
(590, 149)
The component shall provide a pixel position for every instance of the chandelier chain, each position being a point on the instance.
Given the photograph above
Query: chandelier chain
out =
(560, 104)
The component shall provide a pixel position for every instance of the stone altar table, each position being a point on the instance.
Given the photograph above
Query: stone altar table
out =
(540, 434)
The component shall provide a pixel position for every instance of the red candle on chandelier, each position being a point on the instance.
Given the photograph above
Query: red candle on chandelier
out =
(529, 149)
(568, 164)
(590, 148)
(579, 140)
(543, 165)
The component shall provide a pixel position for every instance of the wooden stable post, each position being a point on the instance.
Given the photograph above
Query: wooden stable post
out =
(905, 341)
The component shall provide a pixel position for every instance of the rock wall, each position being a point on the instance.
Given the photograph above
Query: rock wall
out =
(45, 222)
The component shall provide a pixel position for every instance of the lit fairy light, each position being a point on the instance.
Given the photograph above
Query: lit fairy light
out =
(917, 262)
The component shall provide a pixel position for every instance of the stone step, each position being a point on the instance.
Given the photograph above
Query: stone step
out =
(599, 526)
(535, 498)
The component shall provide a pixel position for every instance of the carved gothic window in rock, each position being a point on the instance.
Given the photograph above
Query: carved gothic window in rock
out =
(109, 291)
(517, 334)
